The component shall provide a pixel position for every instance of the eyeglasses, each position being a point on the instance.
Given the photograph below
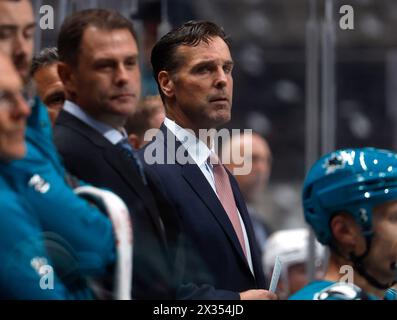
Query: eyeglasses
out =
(9, 100)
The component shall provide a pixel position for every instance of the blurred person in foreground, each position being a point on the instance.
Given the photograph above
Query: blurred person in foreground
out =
(72, 225)
(46, 251)
(17, 27)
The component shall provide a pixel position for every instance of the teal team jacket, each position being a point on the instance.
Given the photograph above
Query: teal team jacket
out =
(329, 290)
(43, 225)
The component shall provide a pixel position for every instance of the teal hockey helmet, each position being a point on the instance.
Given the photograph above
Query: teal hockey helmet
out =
(353, 181)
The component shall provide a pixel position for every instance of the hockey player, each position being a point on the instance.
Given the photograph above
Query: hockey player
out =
(350, 201)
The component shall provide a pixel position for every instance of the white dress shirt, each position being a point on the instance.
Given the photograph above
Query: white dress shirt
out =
(111, 134)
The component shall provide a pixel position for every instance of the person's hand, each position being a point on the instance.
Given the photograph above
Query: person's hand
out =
(258, 295)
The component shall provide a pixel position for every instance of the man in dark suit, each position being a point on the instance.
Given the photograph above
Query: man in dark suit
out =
(192, 66)
(99, 68)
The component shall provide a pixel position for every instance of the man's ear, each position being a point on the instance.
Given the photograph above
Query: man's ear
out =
(166, 83)
(65, 72)
(347, 232)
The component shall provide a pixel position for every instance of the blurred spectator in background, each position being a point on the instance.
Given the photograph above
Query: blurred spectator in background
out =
(255, 150)
(150, 114)
(49, 86)
(157, 17)
(291, 246)
(150, 15)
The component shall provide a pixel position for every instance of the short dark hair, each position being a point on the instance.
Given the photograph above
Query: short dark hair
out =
(191, 33)
(46, 57)
(72, 30)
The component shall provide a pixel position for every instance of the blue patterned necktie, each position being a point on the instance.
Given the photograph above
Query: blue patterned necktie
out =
(132, 155)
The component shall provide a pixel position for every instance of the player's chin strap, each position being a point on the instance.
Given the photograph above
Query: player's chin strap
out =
(358, 264)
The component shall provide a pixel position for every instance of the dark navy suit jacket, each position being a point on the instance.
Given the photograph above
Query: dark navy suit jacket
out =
(214, 265)
(92, 158)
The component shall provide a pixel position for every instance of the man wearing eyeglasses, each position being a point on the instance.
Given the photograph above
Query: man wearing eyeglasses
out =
(13, 113)
(14, 222)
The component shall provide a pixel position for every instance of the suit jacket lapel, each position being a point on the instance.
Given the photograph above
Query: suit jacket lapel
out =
(117, 160)
(195, 178)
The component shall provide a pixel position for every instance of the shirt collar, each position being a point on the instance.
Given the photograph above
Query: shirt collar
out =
(111, 134)
(196, 148)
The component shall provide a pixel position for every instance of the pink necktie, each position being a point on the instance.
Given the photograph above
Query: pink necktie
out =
(225, 195)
